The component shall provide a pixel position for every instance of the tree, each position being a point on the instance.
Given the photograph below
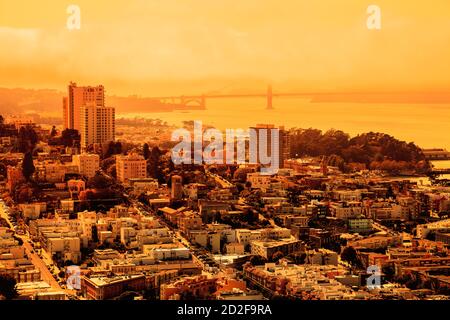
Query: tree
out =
(431, 236)
(127, 296)
(151, 294)
(146, 151)
(277, 256)
(8, 287)
(349, 255)
(365, 149)
(53, 132)
(28, 166)
(112, 171)
(298, 258)
(388, 270)
(334, 140)
(23, 193)
(27, 139)
(306, 142)
(257, 260)
(412, 282)
(118, 147)
(336, 161)
(112, 149)
(68, 263)
(99, 181)
(154, 164)
(293, 194)
(94, 233)
(108, 162)
(109, 150)
(70, 138)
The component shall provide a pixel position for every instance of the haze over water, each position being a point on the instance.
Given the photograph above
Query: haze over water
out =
(426, 125)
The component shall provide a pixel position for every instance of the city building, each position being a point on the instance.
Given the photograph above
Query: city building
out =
(132, 166)
(199, 287)
(38, 290)
(268, 248)
(97, 124)
(177, 188)
(282, 144)
(361, 225)
(424, 229)
(14, 177)
(32, 211)
(103, 288)
(301, 281)
(88, 164)
(77, 98)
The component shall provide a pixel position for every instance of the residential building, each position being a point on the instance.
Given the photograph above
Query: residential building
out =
(76, 99)
(97, 124)
(132, 166)
(267, 249)
(103, 288)
(88, 164)
(177, 188)
(199, 287)
(282, 144)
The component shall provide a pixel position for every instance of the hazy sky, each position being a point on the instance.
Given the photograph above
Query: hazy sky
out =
(150, 47)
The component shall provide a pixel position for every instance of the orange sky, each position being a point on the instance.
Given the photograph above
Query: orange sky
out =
(153, 47)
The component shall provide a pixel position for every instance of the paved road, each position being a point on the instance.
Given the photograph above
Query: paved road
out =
(40, 264)
(220, 180)
(46, 275)
(380, 227)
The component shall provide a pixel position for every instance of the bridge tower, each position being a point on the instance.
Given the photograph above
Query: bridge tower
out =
(203, 101)
(269, 98)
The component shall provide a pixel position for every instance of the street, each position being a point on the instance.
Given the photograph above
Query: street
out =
(37, 261)
(46, 275)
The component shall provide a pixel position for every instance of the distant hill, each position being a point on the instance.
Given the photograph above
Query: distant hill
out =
(16, 101)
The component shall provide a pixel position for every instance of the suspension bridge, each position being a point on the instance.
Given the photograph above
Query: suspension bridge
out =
(199, 101)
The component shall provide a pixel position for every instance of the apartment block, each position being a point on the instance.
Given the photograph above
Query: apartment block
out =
(97, 124)
(87, 164)
(132, 166)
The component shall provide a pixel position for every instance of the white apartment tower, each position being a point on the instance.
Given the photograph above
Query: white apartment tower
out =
(97, 124)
